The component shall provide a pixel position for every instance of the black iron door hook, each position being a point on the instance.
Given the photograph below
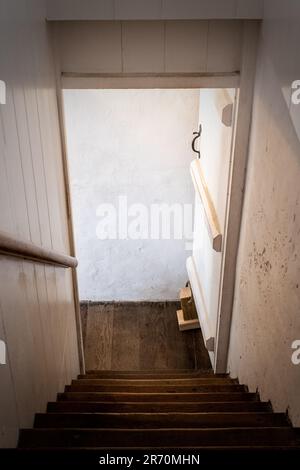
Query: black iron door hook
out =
(197, 135)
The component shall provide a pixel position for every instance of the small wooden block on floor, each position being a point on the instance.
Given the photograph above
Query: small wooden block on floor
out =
(187, 304)
(186, 324)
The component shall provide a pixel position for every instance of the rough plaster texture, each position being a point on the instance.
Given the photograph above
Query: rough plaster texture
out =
(134, 143)
(266, 316)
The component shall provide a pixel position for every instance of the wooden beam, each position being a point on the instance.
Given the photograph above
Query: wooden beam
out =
(148, 81)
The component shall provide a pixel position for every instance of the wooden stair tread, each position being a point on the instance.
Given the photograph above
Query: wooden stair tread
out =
(78, 386)
(154, 407)
(157, 397)
(158, 410)
(158, 437)
(161, 420)
(153, 374)
(90, 380)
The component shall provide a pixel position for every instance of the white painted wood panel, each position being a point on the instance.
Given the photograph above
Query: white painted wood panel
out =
(186, 46)
(138, 9)
(207, 263)
(37, 318)
(89, 46)
(8, 405)
(197, 46)
(215, 147)
(14, 168)
(5, 203)
(188, 9)
(224, 46)
(79, 10)
(214, 169)
(152, 9)
(250, 9)
(143, 46)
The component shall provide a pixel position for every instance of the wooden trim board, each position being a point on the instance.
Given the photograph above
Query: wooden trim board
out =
(148, 81)
(186, 324)
(235, 203)
(61, 116)
(200, 305)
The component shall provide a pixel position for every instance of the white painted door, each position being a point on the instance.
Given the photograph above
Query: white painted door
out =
(211, 176)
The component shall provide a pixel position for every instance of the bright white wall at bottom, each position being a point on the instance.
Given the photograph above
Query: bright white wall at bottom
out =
(134, 144)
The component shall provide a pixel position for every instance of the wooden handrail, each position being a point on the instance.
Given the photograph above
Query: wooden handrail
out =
(22, 249)
(211, 217)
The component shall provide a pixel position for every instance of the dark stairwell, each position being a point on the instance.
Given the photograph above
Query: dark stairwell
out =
(158, 409)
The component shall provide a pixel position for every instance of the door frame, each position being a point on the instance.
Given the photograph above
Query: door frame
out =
(243, 81)
(239, 155)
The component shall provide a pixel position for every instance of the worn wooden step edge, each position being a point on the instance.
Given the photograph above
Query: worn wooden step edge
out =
(157, 397)
(145, 371)
(234, 450)
(157, 381)
(158, 437)
(161, 420)
(156, 373)
(78, 387)
(106, 407)
(150, 376)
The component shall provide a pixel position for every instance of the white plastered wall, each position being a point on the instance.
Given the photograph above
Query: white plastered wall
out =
(267, 299)
(132, 143)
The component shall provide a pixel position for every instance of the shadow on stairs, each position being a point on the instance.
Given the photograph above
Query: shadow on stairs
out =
(177, 414)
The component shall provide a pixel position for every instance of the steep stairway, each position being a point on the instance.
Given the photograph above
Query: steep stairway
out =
(172, 409)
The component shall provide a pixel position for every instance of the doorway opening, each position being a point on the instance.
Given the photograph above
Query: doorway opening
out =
(135, 223)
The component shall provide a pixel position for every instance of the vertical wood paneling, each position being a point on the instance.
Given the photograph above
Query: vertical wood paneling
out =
(37, 318)
(26, 164)
(224, 42)
(13, 164)
(138, 9)
(75, 11)
(38, 166)
(189, 46)
(5, 203)
(78, 51)
(143, 46)
(188, 9)
(8, 408)
(186, 46)
(152, 9)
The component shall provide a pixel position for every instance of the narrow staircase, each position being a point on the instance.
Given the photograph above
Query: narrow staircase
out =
(172, 409)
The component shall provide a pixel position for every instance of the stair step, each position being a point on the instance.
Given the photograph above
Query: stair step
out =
(89, 380)
(157, 397)
(167, 438)
(159, 420)
(78, 386)
(153, 374)
(150, 407)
